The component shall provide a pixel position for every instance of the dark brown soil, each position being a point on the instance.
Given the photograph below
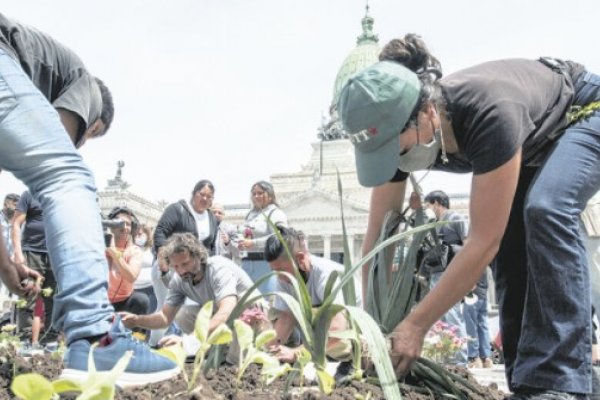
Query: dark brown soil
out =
(221, 384)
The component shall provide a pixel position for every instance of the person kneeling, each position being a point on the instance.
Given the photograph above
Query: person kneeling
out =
(198, 277)
(315, 271)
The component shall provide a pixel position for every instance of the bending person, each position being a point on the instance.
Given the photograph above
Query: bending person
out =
(533, 174)
(49, 103)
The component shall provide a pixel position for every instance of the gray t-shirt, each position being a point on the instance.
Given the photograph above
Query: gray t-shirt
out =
(321, 268)
(222, 278)
(53, 68)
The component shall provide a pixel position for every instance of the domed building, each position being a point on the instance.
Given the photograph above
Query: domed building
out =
(310, 196)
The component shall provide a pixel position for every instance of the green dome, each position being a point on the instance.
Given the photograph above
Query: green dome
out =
(364, 55)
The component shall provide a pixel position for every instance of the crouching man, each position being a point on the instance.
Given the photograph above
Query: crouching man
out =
(315, 271)
(198, 277)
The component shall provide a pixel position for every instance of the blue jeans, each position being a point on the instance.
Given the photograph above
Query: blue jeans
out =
(476, 322)
(542, 274)
(35, 147)
(256, 269)
(454, 317)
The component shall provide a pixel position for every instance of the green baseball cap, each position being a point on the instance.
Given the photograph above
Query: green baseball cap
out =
(374, 107)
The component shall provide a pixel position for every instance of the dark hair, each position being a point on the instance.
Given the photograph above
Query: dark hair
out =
(438, 196)
(12, 196)
(414, 55)
(135, 223)
(108, 107)
(181, 242)
(202, 183)
(267, 187)
(274, 248)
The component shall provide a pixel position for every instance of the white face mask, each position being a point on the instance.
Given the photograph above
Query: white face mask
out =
(421, 156)
(141, 240)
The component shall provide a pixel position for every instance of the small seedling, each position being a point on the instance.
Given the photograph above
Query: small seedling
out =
(98, 385)
(251, 350)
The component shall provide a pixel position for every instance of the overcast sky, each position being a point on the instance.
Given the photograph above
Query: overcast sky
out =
(233, 90)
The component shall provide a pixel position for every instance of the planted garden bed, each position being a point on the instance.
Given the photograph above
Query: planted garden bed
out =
(221, 384)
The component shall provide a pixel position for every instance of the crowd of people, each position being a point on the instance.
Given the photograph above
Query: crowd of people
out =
(534, 171)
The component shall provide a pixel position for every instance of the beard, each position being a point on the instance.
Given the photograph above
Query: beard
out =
(10, 212)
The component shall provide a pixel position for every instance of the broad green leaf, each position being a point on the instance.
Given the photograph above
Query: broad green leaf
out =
(347, 334)
(274, 371)
(101, 385)
(66, 385)
(202, 322)
(262, 358)
(32, 387)
(303, 357)
(264, 338)
(175, 353)
(326, 381)
(221, 335)
(379, 352)
(244, 334)
(321, 323)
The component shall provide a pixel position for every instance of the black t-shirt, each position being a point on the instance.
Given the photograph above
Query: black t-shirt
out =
(53, 68)
(33, 237)
(500, 106)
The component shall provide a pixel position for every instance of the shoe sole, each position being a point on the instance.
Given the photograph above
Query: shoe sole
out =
(126, 379)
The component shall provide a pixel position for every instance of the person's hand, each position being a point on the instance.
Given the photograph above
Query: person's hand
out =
(407, 342)
(19, 279)
(163, 265)
(169, 340)
(225, 238)
(415, 201)
(245, 244)
(113, 254)
(128, 319)
(283, 353)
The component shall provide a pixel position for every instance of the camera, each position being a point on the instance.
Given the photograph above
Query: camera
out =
(107, 224)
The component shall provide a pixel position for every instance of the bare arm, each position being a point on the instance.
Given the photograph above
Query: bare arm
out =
(284, 326)
(158, 320)
(384, 198)
(490, 191)
(224, 309)
(72, 123)
(129, 264)
(15, 233)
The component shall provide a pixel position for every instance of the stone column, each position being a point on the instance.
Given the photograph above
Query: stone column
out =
(326, 246)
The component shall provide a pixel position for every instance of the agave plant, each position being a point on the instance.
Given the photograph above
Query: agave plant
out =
(391, 294)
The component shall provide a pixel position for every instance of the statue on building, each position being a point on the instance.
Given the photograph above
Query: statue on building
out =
(118, 182)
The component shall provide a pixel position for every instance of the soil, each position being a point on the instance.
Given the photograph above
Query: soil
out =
(221, 384)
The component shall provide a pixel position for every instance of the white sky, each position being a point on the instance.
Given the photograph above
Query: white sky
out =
(233, 90)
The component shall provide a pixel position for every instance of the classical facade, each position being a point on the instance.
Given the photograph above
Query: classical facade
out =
(310, 196)
(117, 193)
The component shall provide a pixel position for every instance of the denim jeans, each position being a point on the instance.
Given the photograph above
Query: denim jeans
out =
(476, 322)
(256, 269)
(542, 274)
(454, 317)
(35, 147)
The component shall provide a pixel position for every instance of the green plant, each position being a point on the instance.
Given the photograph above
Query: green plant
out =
(391, 294)
(220, 335)
(98, 385)
(314, 326)
(251, 350)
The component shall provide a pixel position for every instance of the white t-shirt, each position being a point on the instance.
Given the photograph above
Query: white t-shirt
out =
(321, 268)
(202, 223)
(144, 279)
